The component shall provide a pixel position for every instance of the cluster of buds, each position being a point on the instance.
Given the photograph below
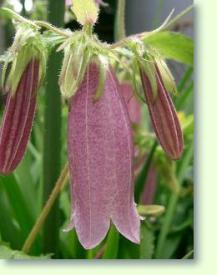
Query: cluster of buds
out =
(100, 146)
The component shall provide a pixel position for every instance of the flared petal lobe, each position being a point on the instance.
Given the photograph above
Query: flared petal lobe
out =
(164, 117)
(17, 119)
(100, 159)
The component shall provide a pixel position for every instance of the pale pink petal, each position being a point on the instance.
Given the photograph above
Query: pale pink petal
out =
(133, 105)
(150, 187)
(95, 131)
(124, 215)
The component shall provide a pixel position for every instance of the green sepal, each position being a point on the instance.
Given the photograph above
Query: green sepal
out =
(75, 62)
(103, 63)
(136, 82)
(86, 11)
(166, 75)
(27, 45)
(148, 66)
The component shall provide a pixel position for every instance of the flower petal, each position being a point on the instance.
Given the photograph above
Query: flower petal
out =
(133, 105)
(99, 168)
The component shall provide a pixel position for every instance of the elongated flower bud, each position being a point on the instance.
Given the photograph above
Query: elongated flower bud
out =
(163, 115)
(27, 59)
(100, 158)
(17, 119)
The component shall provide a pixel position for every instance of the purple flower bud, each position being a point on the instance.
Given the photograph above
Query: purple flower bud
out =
(163, 115)
(17, 118)
(134, 108)
(101, 162)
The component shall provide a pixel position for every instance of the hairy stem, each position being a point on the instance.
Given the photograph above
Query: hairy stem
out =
(165, 26)
(172, 204)
(120, 31)
(46, 210)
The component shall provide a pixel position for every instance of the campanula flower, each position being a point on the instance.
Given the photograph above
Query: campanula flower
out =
(101, 153)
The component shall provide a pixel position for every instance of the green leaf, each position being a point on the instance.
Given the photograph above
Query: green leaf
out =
(112, 244)
(7, 253)
(172, 45)
(9, 231)
(170, 246)
(147, 241)
(18, 205)
(86, 11)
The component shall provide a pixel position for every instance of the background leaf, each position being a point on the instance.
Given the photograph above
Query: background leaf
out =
(172, 45)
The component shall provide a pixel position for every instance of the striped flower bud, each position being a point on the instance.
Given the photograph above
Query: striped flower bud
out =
(162, 111)
(101, 161)
(21, 87)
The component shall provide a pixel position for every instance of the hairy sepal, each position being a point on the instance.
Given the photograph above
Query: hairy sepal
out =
(75, 62)
(28, 45)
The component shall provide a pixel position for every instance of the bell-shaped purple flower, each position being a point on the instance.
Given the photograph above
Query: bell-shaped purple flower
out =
(17, 118)
(163, 115)
(101, 161)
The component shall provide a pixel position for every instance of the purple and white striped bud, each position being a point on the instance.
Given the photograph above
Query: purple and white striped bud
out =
(162, 111)
(20, 86)
(101, 161)
(17, 119)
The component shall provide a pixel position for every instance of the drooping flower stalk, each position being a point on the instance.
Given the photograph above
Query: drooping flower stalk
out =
(17, 119)
(163, 114)
(100, 158)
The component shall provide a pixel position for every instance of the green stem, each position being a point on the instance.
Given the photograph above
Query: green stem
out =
(12, 14)
(189, 255)
(173, 200)
(120, 31)
(187, 76)
(180, 103)
(52, 133)
(165, 26)
(46, 210)
(52, 28)
(178, 17)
